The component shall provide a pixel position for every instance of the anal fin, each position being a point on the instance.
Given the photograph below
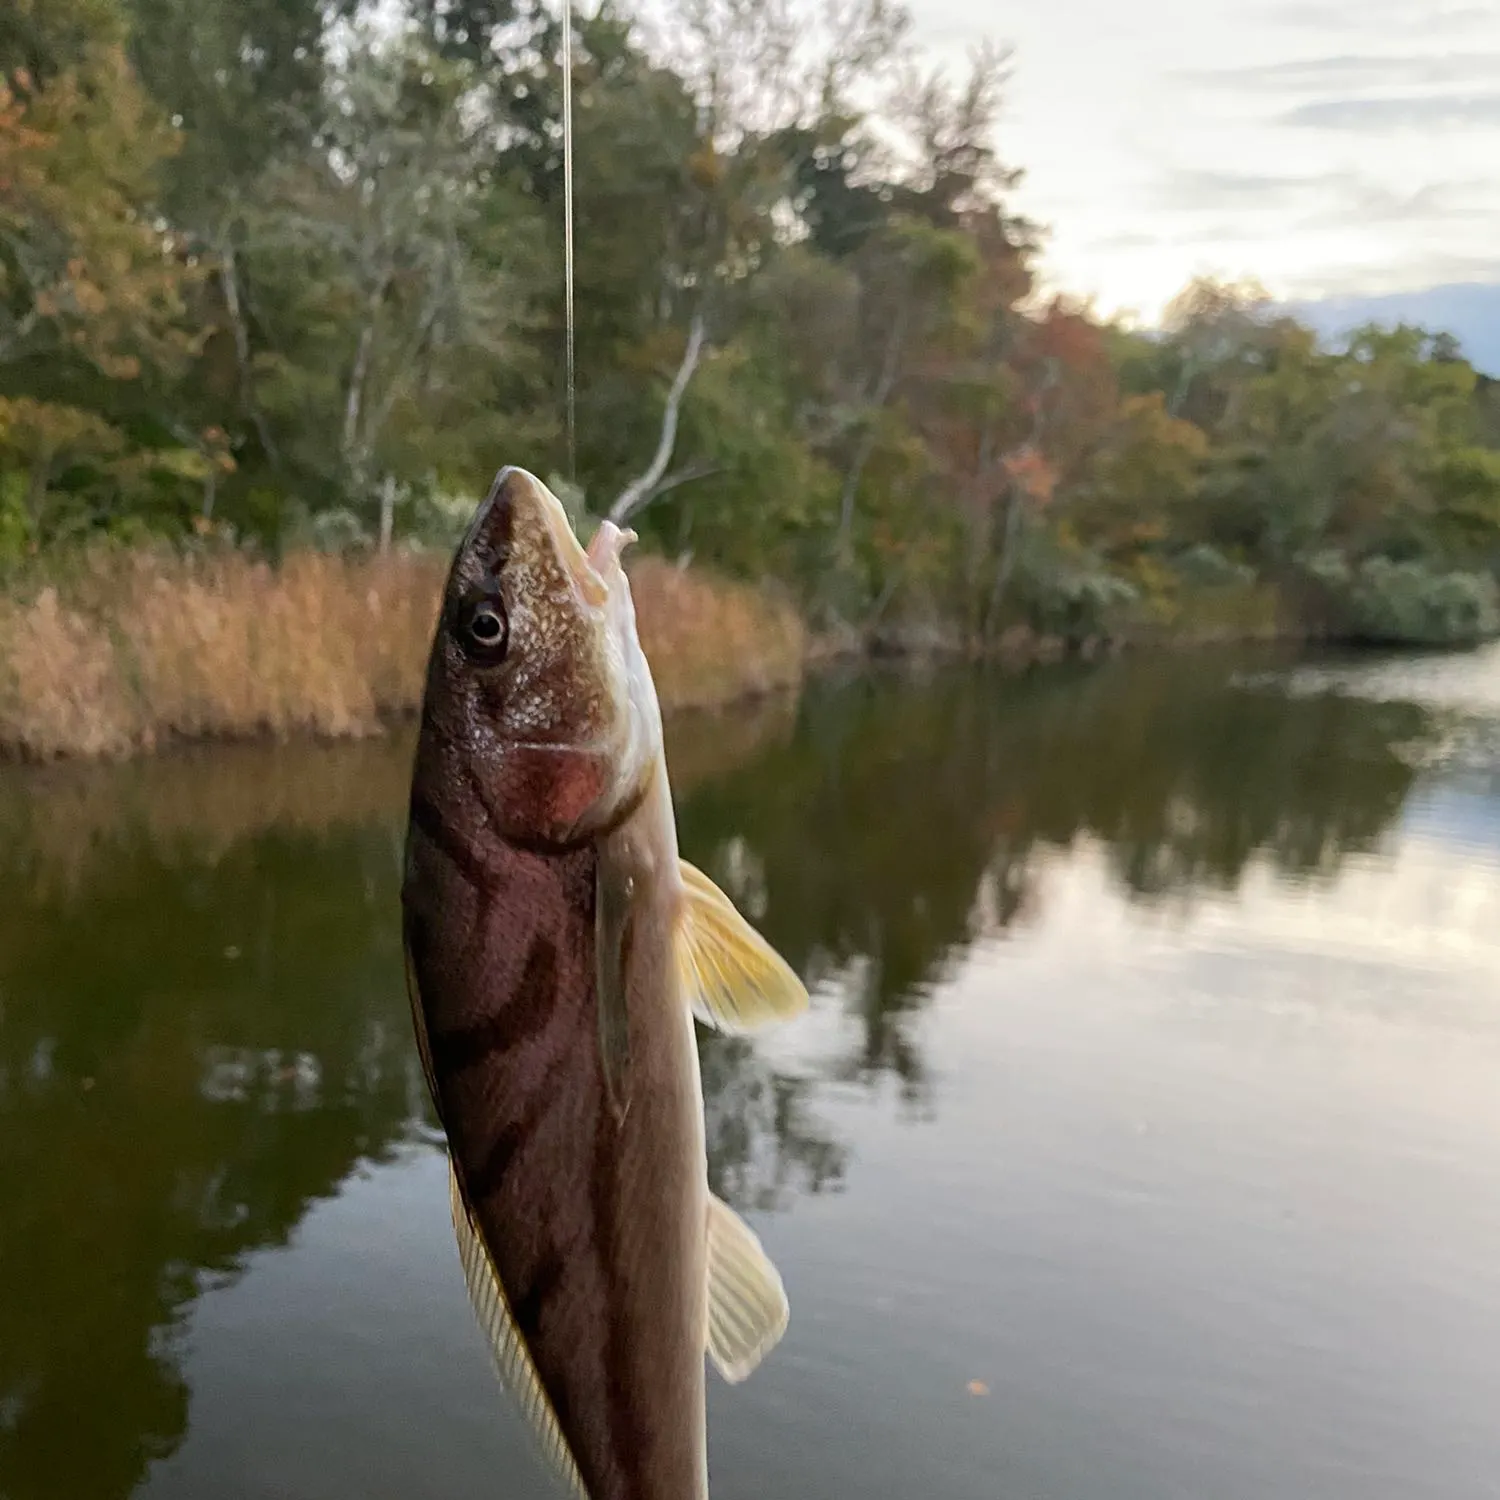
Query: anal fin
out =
(747, 1306)
(513, 1360)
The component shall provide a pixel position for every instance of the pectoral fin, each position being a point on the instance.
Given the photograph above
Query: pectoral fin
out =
(747, 1307)
(614, 892)
(734, 979)
(419, 1024)
(513, 1360)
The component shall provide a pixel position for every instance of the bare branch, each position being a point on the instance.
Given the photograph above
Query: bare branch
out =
(686, 476)
(417, 347)
(641, 491)
(19, 334)
(673, 482)
(354, 398)
(387, 512)
(882, 393)
(229, 283)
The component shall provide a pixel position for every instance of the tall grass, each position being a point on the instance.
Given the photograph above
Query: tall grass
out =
(709, 639)
(123, 650)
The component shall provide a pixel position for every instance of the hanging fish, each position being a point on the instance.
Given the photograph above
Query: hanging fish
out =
(557, 950)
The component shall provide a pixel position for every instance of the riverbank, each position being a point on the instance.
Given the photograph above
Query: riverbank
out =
(123, 651)
(1185, 618)
(119, 651)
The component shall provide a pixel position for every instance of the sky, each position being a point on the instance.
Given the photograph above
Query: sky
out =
(1327, 148)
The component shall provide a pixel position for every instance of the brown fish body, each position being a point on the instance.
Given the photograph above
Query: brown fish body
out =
(557, 950)
(597, 1225)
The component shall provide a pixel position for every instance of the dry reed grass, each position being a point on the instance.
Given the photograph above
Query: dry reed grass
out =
(131, 649)
(704, 635)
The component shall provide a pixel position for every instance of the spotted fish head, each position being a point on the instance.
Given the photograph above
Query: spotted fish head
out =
(529, 684)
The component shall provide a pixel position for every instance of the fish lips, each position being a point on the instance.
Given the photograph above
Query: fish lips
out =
(489, 533)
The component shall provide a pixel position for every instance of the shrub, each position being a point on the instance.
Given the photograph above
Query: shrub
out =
(1413, 603)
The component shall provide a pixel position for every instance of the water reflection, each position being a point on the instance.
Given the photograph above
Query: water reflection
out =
(904, 820)
(765, 1140)
(203, 1030)
(192, 1052)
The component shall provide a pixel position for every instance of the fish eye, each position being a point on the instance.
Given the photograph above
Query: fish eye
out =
(484, 629)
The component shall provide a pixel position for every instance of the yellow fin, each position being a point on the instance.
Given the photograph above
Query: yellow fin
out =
(512, 1358)
(734, 979)
(747, 1307)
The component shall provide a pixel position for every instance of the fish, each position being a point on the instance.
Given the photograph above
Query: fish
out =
(558, 952)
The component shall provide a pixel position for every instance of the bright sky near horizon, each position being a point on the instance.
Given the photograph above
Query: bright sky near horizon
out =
(1333, 146)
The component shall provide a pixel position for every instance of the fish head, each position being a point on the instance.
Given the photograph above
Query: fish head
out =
(529, 692)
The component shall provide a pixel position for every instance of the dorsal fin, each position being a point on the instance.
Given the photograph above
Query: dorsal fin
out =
(513, 1360)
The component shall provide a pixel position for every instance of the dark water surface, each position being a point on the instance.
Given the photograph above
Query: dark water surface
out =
(1143, 1140)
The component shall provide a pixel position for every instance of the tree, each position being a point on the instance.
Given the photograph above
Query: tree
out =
(404, 276)
(82, 274)
(241, 81)
(296, 271)
(1466, 505)
(41, 38)
(763, 67)
(92, 317)
(1143, 483)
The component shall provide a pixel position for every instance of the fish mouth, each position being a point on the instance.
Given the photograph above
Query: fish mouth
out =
(607, 547)
(591, 587)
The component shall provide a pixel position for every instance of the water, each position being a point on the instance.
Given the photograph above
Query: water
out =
(1143, 1140)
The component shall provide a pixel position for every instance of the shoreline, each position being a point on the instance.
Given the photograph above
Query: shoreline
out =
(124, 653)
(136, 653)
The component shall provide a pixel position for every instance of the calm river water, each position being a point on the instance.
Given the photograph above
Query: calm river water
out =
(1142, 1142)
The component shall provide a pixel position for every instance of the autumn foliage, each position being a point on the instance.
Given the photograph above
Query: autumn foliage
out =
(302, 299)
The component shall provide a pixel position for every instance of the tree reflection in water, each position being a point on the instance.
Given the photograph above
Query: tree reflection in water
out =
(203, 1029)
(903, 820)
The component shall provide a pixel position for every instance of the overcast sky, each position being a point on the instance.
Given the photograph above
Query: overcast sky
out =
(1325, 147)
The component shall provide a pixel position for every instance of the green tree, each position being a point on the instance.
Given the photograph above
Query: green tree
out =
(92, 316)
(41, 38)
(402, 269)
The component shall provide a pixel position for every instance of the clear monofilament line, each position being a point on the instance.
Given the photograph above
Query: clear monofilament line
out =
(567, 105)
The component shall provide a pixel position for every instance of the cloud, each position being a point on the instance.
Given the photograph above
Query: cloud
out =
(1245, 209)
(1350, 71)
(1126, 240)
(1396, 277)
(1383, 17)
(1422, 112)
(1378, 202)
(1204, 190)
(1338, 196)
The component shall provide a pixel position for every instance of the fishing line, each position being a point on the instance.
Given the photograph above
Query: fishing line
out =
(567, 104)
